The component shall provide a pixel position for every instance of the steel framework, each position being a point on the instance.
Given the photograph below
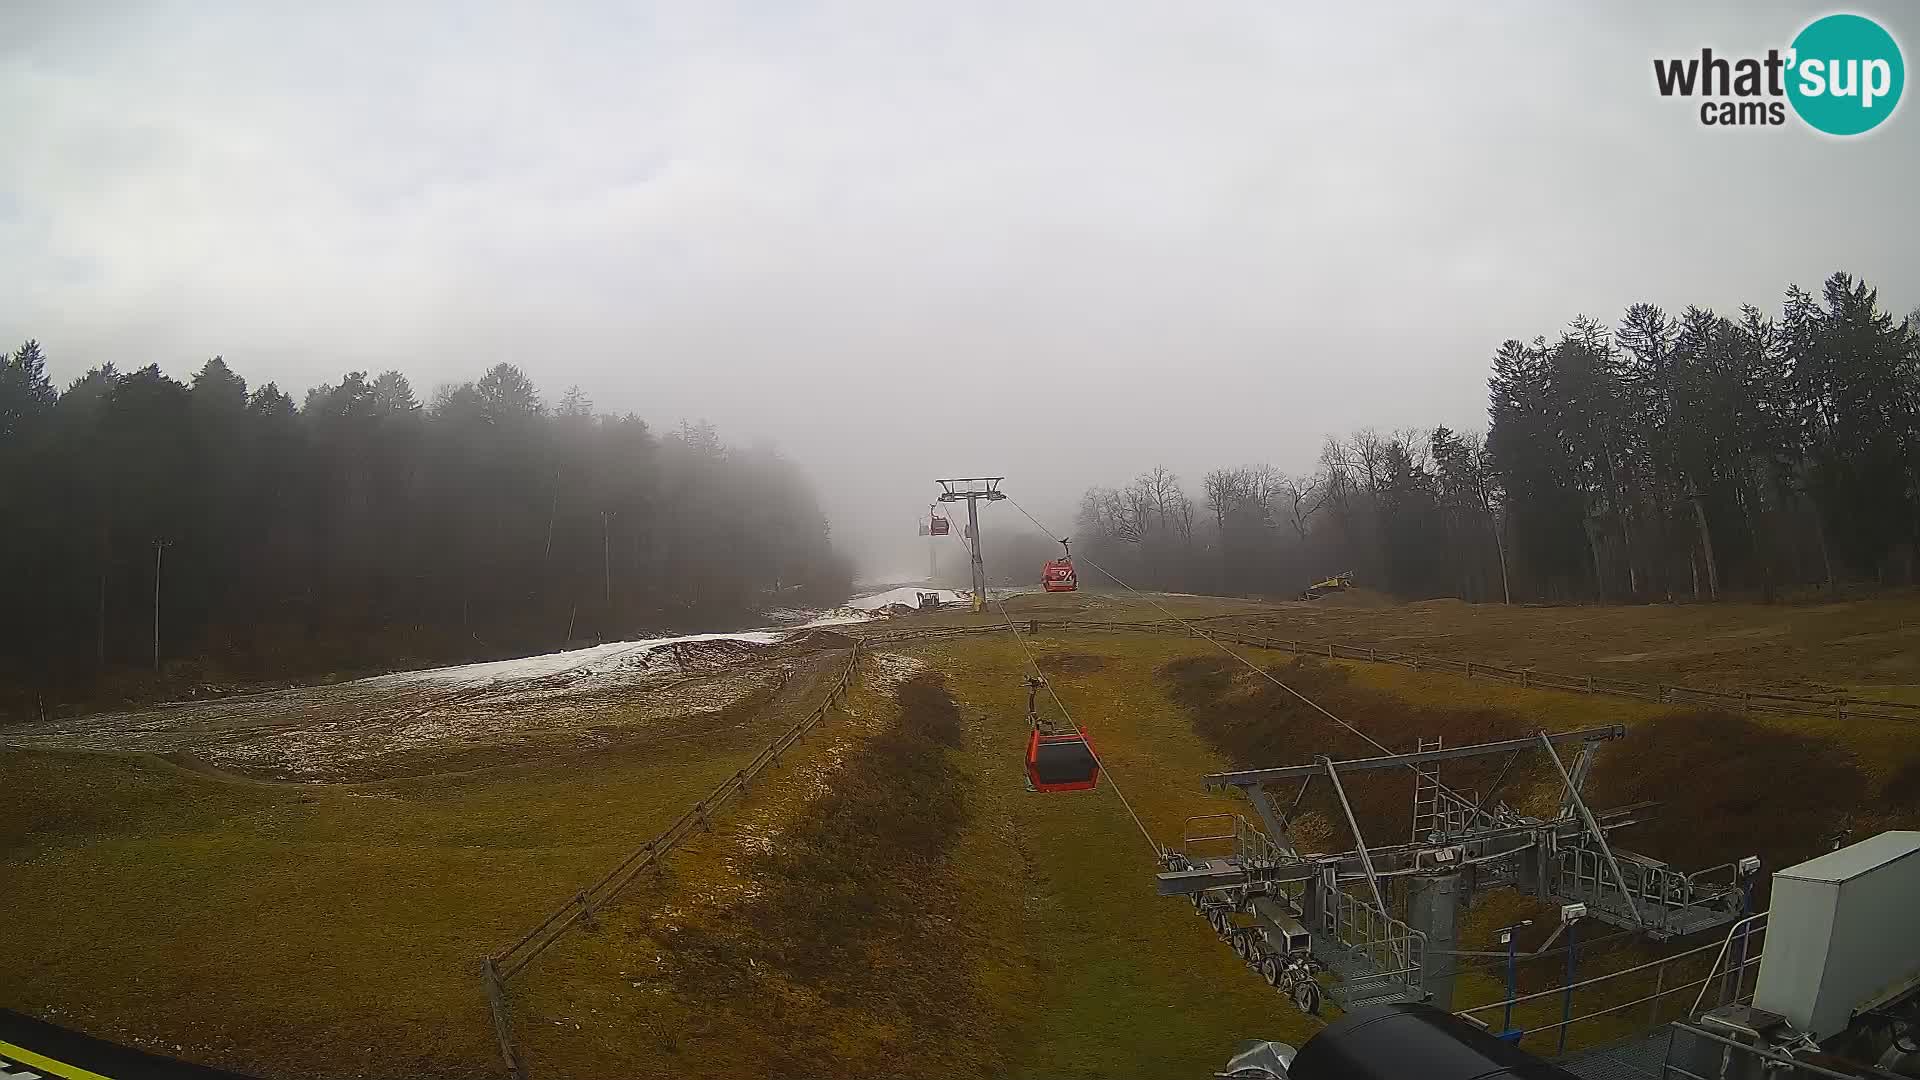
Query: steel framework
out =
(1397, 944)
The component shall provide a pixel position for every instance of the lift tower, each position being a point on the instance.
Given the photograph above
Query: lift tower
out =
(972, 489)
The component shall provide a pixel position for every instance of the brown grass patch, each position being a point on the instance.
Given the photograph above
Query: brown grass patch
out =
(1900, 796)
(1728, 788)
(1070, 663)
(1257, 724)
(849, 954)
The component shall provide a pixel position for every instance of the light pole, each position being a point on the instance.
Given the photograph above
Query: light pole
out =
(1570, 914)
(1507, 938)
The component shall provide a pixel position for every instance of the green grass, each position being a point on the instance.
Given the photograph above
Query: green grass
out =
(334, 930)
(309, 930)
(1870, 647)
(1126, 983)
(842, 949)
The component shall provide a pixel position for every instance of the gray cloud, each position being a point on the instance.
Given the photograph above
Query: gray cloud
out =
(1062, 241)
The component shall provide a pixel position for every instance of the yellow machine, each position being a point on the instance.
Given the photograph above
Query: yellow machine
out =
(1336, 583)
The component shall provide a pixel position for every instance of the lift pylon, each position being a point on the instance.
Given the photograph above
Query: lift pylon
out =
(971, 490)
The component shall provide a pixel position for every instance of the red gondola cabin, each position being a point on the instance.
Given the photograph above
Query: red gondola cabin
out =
(1058, 576)
(940, 526)
(1062, 762)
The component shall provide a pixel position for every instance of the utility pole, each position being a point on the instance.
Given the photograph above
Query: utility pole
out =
(606, 554)
(971, 490)
(158, 547)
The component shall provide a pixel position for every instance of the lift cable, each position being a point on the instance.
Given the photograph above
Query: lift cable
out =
(1033, 663)
(1251, 666)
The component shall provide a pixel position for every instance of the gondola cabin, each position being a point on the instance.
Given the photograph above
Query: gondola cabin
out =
(1058, 576)
(1065, 762)
(940, 526)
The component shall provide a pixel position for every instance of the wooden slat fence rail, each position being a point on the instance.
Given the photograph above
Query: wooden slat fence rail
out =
(499, 968)
(1837, 706)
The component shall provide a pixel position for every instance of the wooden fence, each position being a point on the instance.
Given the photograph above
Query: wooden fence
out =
(1837, 706)
(502, 966)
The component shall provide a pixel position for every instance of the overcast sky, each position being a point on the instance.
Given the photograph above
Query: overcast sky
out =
(1057, 241)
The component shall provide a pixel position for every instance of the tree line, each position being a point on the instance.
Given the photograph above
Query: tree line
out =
(1689, 456)
(168, 535)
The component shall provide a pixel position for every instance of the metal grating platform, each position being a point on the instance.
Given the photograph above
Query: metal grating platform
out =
(1359, 983)
(1638, 1057)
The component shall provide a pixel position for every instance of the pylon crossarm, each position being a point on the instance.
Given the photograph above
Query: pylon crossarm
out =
(1245, 777)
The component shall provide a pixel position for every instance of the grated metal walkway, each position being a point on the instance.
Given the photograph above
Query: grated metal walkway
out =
(1637, 1057)
(1360, 983)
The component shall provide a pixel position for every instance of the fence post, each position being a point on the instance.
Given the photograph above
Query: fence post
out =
(1033, 627)
(1746, 703)
(502, 1024)
(1329, 650)
(1589, 684)
(1523, 677)
(1469, 669)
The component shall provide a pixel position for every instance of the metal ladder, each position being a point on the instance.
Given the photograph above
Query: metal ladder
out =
(1428, 816)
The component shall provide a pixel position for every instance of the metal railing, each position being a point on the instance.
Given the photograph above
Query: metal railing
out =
(1251, 846)
(1725, 979)
(1394, 949)
(1661, 989)
(1723, 1060)
(1660, 891)
(1743, 940)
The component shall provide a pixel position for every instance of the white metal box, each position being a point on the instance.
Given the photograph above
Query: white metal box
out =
(1843, 933)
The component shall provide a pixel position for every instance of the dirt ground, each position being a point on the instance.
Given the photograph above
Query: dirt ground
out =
(412, 723)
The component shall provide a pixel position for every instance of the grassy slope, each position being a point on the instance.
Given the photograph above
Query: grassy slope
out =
(1129, 983)
(253, 924)
(1087, 971)
(1880, 750)
(1869, 647)
(311, 930)
(594, 1005)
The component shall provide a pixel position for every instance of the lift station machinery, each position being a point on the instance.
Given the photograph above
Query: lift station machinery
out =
(1290, 914)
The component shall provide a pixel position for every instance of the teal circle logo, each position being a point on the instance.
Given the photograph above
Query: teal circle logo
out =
(1846, 74)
